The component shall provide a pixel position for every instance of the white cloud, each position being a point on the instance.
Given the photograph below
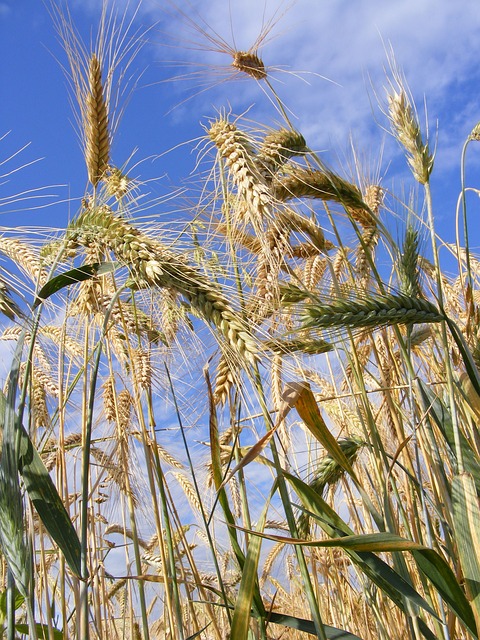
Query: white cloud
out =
(433, 42)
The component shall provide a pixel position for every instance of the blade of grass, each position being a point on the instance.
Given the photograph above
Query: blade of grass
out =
(393, 585)
(79, 274)
(466, 519)
(249, 582)
(307, 626)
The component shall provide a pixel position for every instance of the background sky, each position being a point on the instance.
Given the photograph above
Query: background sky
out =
(435, 43)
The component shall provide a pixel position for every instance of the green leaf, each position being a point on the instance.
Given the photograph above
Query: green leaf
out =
(79, 274)
(199, 632)
(18, 601)
(466, 520)
(379, 572)
(12, 539)
(442, 417)
(44, 495)
(42, 631)
(309, 412)
(308, 626)
(249, 582)
(429, 562)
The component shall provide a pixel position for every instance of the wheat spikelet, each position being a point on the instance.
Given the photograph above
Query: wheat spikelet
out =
(296, 222)
(114, 471)
(365, 255)
(339, 264)
(25, 257)
(240, 237)
(39, 408)
(269, 264)
(124, 406)
(272, 555)
(59, 336)
(129, 317)
(224, 380)
(188, 490)
(126, 533)
(363, 349)
(97, 139)
(325, 185)
(406, 129)
(373, 197)
(153, 265)
(49, 454)
(373, 312)
(248, 62)
(277, 147)
(313, 270)
(327, 473)
(452, 296)
(236, 500)
(117, 183)
(108, 397)
(408, 264)
(168, 458)
(11, 333)
(237, 152)
(41, 378)
(143, 368)
(303, 344)
(88, 300)
(170, 313)
(7, 305)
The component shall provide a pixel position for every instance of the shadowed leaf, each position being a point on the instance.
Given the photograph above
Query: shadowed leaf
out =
(73, 276)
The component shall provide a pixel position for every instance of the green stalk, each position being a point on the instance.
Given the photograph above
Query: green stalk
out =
(465, 224)
(443, 329)
(199, 495)
(84, 628)
(287, 505)
(171, 581)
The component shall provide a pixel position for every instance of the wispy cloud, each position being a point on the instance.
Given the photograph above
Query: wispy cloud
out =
(346, 42)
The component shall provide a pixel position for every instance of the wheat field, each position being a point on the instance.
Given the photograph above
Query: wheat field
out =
(262, 426)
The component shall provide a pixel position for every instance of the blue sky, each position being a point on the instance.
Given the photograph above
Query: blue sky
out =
(435, 43)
